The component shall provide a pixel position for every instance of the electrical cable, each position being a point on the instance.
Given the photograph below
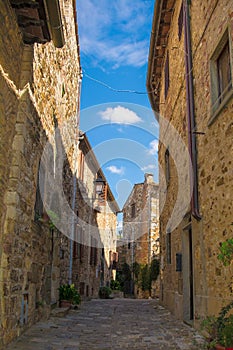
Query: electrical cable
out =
(116, 90)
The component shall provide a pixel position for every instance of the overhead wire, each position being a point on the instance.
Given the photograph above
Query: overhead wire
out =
(114, 89)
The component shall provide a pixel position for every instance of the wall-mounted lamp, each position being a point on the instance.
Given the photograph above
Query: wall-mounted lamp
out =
(99, 185)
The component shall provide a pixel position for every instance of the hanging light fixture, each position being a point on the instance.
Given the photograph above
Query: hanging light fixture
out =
(99, 185)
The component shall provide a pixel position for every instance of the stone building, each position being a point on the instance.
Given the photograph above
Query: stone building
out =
(39, 102)
(94, 249)
(189, 84)
(140, 242)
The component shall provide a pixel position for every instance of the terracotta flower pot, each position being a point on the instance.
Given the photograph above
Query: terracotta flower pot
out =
(65, 303)
(220, 347)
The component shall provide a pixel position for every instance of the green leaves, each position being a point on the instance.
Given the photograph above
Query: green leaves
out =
(104, 292)
(220, 328)
(145, 274)
(70, 293)
(154, 269)
(226, 252)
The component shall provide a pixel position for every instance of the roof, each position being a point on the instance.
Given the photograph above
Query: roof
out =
(163, 12)
(39, 21)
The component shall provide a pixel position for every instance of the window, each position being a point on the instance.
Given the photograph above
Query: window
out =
(169, 255)
(113, 257)
(133, 210)
(114, 260)
(178, 262)
(102, 197)
(78, 246)
(39, 207)
(166, 75)
(93, 252)
(167, 166)
(224, 72)
(81, 288)
(81, 166)
(75, 249)
(221, 74)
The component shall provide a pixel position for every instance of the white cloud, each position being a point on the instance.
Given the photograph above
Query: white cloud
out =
(120, 115)
(115, 170)
(149, 167)
(153, 147)
(115, 32)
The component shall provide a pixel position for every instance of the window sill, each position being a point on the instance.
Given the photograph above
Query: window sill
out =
(215, 113)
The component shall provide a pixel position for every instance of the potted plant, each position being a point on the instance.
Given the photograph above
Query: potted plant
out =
(68, 295)
(220, 328)
(105, 292)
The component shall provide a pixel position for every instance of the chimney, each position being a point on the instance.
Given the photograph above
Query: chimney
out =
(149, 178)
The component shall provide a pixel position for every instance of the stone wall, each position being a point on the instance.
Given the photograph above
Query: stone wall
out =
(215, 175)
(96, 227)
(31, 101)
(209, 21)
(107, 223)
(141, 226)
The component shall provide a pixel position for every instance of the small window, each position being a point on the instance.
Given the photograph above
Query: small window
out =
(166, 74)
(40, 190)
(169, 253)
(81, 166)
(224, 72)
(102, 197)
(78, 247)
(178, 262)
(221, 73)
(93, 252)
(167, 166)
(81, 288)
(133, 210)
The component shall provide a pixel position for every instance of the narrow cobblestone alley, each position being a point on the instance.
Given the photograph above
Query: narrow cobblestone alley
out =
(109, 325)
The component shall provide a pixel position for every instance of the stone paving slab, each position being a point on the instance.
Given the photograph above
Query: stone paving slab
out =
(116, 324)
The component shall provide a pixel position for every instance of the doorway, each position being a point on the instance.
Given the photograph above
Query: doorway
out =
(188, 287)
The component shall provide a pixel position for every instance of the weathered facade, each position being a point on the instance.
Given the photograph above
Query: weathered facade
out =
(39, 77)
(140, 242)
(190, 88)
(95, 240)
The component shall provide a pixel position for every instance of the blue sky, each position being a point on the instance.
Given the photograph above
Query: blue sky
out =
(114, 44)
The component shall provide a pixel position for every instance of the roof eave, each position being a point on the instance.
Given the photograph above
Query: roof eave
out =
(153, 40)
(159, 35)
(55, 22)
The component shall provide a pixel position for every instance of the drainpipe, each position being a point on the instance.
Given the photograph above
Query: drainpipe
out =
(55, 22)
(72, 227)
(74, 184)
(149, 227)
(190, 111)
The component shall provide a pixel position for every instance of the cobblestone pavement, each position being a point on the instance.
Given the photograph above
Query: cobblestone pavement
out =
(116, 324)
